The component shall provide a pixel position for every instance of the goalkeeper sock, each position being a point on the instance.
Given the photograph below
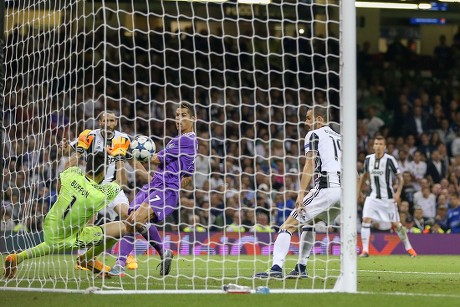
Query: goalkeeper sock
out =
(96, 250)
(41, 249)
(402, 234)
(365, 236)
(126, 247)
(307, 239)
(281, 247)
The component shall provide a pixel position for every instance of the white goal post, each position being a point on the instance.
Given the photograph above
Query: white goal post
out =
(249, 68)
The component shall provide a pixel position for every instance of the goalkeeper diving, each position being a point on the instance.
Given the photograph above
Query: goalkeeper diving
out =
(81, 196)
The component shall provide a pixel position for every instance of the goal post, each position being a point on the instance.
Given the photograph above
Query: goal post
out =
(250, 68)
(348, 282)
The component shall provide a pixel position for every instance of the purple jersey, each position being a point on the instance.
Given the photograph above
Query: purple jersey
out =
(177, 160)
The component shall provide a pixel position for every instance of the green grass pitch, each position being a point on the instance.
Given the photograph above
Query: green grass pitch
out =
(382, 281)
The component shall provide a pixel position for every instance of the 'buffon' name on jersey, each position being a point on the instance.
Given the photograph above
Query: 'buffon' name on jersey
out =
(79, 188)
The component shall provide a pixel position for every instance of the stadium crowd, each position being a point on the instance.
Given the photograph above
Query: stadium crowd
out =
(249, 121)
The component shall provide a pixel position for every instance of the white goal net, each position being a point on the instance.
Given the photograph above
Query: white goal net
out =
(250, 70)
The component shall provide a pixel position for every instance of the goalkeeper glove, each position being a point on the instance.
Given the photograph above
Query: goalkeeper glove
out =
(119, 148)
(84, 140)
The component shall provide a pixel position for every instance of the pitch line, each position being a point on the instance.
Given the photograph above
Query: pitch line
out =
(410, 272)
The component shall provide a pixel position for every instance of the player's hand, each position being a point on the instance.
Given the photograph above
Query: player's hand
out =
(299, 200)
(64, 146)
(85, 140)
(120, 146)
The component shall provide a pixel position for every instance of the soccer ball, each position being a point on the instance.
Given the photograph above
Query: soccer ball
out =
(142, 148)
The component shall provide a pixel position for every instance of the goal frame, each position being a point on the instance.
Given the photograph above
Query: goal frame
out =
(347, 281)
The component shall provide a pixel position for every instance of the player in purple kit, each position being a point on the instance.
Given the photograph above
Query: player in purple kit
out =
(158, 199)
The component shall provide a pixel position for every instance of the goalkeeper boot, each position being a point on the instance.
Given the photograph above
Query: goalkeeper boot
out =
(364, 254)
(93, 265)
(117, 270)
(300, 271)
(11, 266)
(131, 262)
(274, 272)
(412, 252)
(166, 260)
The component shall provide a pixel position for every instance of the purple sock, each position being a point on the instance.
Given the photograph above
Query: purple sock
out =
(153, 237)
(126, 246)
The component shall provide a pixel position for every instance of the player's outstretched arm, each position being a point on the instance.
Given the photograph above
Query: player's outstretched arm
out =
(142, 175)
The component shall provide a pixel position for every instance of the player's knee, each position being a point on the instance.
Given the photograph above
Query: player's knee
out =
(122, 211)
(128, 227)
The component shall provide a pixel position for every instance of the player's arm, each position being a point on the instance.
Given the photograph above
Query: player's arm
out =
(155, 159)
(397, 196)
(361, 181)
(142, 175)
(307, 174)
(83, 143)
(186, 180)
(121, 175)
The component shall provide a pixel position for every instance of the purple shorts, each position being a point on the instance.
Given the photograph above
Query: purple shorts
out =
(162, 202)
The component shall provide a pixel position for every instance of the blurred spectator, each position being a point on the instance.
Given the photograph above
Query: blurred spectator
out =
(6, 223)
(372, 121)
(419, 221)
(262, 224)
(436, 168)
(426, 200)
(453, 216)
(418, 169)
(236, 225)
(194, 224)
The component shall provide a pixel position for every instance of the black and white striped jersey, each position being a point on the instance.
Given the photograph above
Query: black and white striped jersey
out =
(99, 144)
(327, 145)
(381, 174)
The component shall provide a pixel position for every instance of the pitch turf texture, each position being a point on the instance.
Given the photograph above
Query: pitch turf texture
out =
(382, 281)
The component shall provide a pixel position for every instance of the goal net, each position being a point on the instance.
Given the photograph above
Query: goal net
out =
(249, 69)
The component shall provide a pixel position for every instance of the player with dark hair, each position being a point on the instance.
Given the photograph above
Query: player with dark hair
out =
(323, 151)
(380, 205)
(81, 196)
(158, 199)
(98, 140)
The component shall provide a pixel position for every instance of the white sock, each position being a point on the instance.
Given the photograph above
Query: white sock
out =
(307, 239)
(281, 248)
(402, 234)
(365, 236)
(81, 251)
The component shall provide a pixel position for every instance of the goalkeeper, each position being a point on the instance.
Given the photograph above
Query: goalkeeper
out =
(92, 141)
(81, 196)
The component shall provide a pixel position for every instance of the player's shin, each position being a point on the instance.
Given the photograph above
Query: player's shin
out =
(365, 236)
(281, 247)
(402, 234)
(151, 234)
(307, 239)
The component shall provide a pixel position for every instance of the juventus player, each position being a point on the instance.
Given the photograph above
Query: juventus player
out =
(380, 205)
(323, 151)
(98, 140)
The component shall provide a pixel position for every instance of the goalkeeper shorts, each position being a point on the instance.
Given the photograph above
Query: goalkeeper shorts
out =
(89, 236)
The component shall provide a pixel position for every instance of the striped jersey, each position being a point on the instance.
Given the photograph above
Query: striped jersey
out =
(99, 144)
(327, 145)
(381, 173)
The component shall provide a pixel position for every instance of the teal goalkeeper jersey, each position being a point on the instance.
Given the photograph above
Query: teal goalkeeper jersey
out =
(79, 199)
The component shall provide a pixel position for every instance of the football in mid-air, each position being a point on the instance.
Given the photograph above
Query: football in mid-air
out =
(142, 148)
